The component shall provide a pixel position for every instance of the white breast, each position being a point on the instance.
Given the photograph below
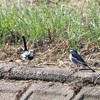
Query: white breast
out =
(25, 55)
(70, 57)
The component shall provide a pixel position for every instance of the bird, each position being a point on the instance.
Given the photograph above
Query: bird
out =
(77, 59)
(27, 55)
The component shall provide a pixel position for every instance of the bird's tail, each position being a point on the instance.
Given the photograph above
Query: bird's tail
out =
(24, 40)
(91, 68)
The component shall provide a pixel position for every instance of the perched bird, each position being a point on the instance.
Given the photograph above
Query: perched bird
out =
(27, 54)
(77, 59)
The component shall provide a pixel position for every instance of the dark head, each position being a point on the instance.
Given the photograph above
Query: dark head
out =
(72, 51)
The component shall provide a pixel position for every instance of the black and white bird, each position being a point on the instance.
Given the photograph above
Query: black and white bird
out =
(27, 54)
(77, 59)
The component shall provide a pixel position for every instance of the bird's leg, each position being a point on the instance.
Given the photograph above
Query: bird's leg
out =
(77, 68)
(28, 62)
(73, 67)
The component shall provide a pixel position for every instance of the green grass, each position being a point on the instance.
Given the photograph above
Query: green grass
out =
(69, 22)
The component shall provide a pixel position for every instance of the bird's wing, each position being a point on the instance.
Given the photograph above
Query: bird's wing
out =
(31, 53)
(78, 59)
(25, 54)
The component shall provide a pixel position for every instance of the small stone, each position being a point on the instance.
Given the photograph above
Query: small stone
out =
(96, 64)
(18, 61)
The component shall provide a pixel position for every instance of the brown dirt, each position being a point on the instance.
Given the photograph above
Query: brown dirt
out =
(52, 54)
